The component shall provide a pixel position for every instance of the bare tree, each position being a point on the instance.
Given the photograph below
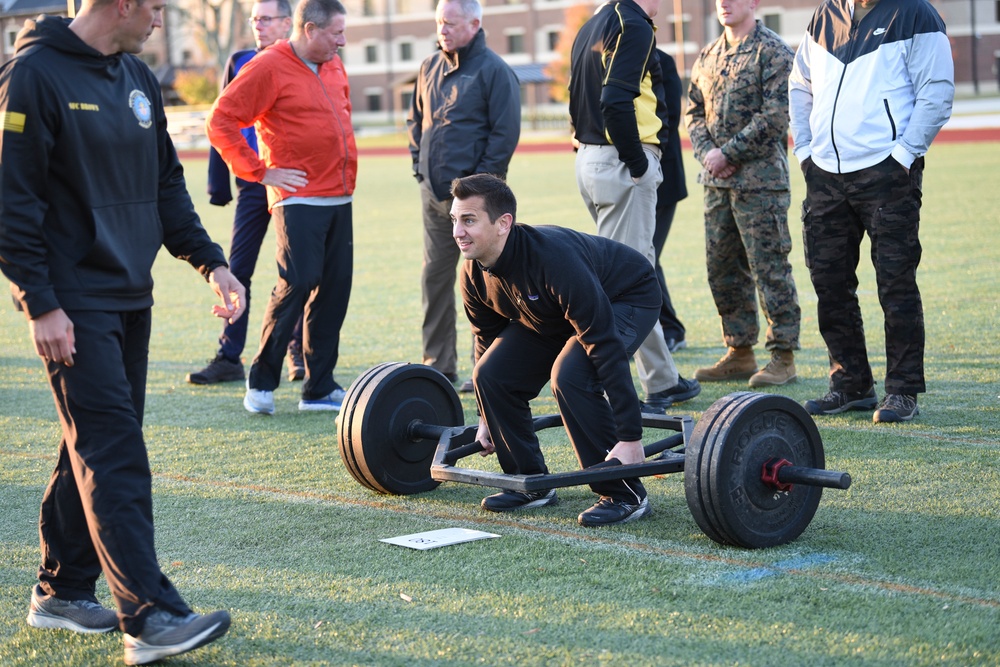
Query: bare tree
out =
(217, 25)
(558, 70)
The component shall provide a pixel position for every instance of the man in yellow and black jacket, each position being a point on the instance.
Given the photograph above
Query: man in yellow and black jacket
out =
(619, 124)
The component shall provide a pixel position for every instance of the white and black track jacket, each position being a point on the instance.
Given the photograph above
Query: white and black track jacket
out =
(860, 92)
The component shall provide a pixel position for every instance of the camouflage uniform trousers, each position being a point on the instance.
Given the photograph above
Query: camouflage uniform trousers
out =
(884, 202)
(747, 245)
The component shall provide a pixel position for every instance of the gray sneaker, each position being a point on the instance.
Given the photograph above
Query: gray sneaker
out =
(836, 402)
(165, 634)
(52, 613)
(896, 408)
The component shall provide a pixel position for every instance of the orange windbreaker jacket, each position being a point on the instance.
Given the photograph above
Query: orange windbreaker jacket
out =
(303, 121)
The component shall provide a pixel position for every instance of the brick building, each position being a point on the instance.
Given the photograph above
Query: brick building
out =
(387, 40)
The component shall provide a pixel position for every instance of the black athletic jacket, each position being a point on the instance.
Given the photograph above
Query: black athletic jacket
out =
(90, 183)
(561, 283)
(615, 88)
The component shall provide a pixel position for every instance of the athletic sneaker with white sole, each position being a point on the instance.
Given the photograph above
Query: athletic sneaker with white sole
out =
(259, 401)
(333, 401)
(508, 501)
(165, 634)
(608, 512)
(51, 613)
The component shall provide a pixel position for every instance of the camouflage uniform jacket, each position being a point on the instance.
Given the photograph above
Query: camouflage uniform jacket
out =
(738, 101)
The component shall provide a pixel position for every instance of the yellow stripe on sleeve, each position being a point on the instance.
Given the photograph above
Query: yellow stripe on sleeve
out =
(13, 122)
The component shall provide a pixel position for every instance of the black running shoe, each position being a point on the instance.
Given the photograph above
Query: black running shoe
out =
(608, 512)
(508, 501)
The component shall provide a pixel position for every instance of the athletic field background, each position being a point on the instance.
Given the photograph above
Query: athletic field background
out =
(257, 515)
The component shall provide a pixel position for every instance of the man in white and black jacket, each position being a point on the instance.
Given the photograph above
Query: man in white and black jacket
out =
(549, 303)
(872, 83)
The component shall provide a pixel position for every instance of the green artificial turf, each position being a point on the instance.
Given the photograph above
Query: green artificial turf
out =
(259, 516)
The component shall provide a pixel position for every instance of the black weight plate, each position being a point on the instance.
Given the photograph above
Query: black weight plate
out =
(723, 464)
(348, 413)
(394, 397)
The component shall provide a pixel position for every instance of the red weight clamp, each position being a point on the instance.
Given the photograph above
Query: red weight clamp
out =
(769, 474)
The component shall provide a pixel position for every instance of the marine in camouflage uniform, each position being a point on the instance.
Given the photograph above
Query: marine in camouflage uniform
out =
(738, 101)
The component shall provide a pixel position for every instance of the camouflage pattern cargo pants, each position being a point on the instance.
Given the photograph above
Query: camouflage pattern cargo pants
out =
(746, 246)
(884, 202)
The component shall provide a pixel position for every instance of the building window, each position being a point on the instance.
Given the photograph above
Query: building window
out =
(773, 22)
(374, 101)
(12, 37)
(515, 42)
(371, 53)
(997, 19)
(405, 100)
(368, 7)
(406, 51)
(553, 39)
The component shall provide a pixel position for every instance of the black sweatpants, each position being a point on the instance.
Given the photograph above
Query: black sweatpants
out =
(884, 202)
(97, 512)
(516, 367)
(315, 255)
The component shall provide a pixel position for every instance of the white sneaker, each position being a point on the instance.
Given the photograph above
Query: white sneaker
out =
(259, 401)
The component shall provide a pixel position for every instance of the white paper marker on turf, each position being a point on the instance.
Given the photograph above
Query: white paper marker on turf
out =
(438, 538)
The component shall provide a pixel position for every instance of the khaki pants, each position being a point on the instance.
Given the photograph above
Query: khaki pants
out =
(625, 211)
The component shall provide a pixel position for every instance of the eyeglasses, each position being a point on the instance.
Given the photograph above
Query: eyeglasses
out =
(264, 21)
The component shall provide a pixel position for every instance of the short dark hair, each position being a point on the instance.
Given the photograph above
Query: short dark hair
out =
(317, 12)
(497, 196)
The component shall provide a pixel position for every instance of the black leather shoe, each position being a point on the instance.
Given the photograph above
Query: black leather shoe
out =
(684, 390)
(608, 512)
(218, 370)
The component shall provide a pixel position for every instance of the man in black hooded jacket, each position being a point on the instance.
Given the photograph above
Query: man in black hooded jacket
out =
(90, 189)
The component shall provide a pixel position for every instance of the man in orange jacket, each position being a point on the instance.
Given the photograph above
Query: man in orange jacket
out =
(297, 97)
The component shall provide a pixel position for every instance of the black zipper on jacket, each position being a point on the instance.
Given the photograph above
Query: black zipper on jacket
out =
(888, 113)
(833, 116)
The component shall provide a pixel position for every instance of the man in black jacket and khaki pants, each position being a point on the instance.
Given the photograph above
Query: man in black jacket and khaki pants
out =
(553, 304)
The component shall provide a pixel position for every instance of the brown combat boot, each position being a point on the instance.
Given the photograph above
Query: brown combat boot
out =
(737, 364)
(780, 370)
